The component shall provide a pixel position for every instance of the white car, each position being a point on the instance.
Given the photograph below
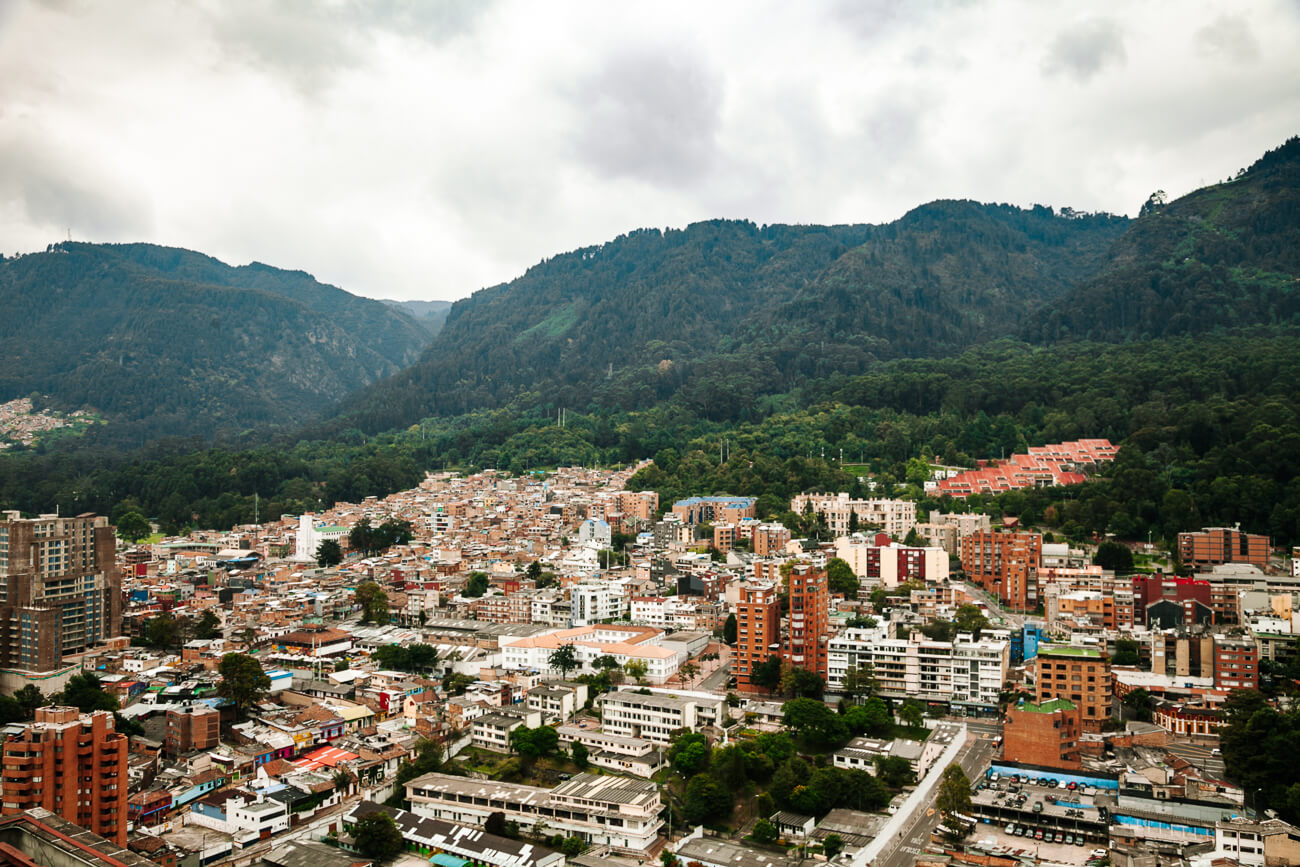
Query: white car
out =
(1098, 853)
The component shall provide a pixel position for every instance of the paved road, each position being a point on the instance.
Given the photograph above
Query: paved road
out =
(1202, 756)
(916, 833)
(717, 681)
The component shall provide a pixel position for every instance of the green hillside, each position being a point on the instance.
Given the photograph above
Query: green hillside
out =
(164, 341)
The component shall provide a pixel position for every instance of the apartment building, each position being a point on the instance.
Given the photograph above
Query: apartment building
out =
(1005, 564)
(946, 531)
(1080, 675)
(1213, 546)
(492, 730)
(893, 517)
(604, 810)
(556, 701)
(878, 561)
(964, 672)
(636, 756)
(60, 589)
(595, 601)
(1166, 601)
(73, 765)
(758, 631)
(807, 626)
(196, 727)
(770, 539)
(1236, 663)
(727, 510)
(656, 716)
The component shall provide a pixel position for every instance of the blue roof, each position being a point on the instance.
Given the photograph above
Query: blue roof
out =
(691, 501)
(447, 860)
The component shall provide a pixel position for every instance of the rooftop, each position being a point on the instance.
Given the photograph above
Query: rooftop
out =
(1069, 650)
(1049, 706)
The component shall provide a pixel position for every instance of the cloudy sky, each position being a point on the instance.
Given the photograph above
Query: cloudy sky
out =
(425, 150)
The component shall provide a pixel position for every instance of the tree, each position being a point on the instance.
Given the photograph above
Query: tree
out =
(832, 845)
(912, 714)
(373, 601)
(765, 832)
(579, 753)
(1114, 556)
(30, 698)
(706, 799)
(565, 658)
(894, 771)
(814, 721)
(376, 836)
(636, 669)
(495, 823)
(1139, 704)
(242, 681)
(688, 672)
(476, 586)
(840, 578)
(968, 618)
(329, 553)
(1127, 651)
(83, 691)
(163, 632)
(859, 681)
(729, 630)
(954, 799)
(572, 847)
(796, 682)
(689, 753)
(870, 718)
(133, 527)
(209, 626)
(767, 674)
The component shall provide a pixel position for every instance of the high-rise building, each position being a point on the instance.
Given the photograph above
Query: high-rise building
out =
(196, 727)
(72, 764)
(758, 631)
(1005, 564)
(807, 630)
(1080, 675)
(60, 590)
(844, 515)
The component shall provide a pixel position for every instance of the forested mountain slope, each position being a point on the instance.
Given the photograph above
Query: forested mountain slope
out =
(1225, 256)
(166, 341)
(722, 312)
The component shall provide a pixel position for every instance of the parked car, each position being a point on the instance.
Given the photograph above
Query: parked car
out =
(1069, 839)
(1058, 837)
(1038, 835)
(1072, 786)
(1011, 828)
(1038, 806)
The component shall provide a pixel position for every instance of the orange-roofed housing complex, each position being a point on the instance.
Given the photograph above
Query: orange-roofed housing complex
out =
(1043, 466)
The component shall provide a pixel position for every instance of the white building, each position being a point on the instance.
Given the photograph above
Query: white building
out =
(624, 643)
(962, 672)
(595, 601)
(895, 517)
(656, 716)
(595, 532)
(893, 564)
(605, 810)
(310, 535)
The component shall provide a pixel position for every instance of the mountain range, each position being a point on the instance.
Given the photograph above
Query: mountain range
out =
(718, 318)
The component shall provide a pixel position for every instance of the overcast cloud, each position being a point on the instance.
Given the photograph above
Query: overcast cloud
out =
(427, 150)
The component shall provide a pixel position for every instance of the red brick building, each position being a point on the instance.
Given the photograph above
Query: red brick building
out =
(1079, 674)
(1005, 564)
(1189, 593)
(1236, 663)
(197, 727)
(758, 631)
(1214, 545)
(807, 629)
(73, 765)
(1044, 734)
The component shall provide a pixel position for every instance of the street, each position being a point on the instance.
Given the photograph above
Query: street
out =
(916, 833)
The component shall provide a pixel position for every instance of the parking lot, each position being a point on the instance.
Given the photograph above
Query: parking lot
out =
(1034, 812)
